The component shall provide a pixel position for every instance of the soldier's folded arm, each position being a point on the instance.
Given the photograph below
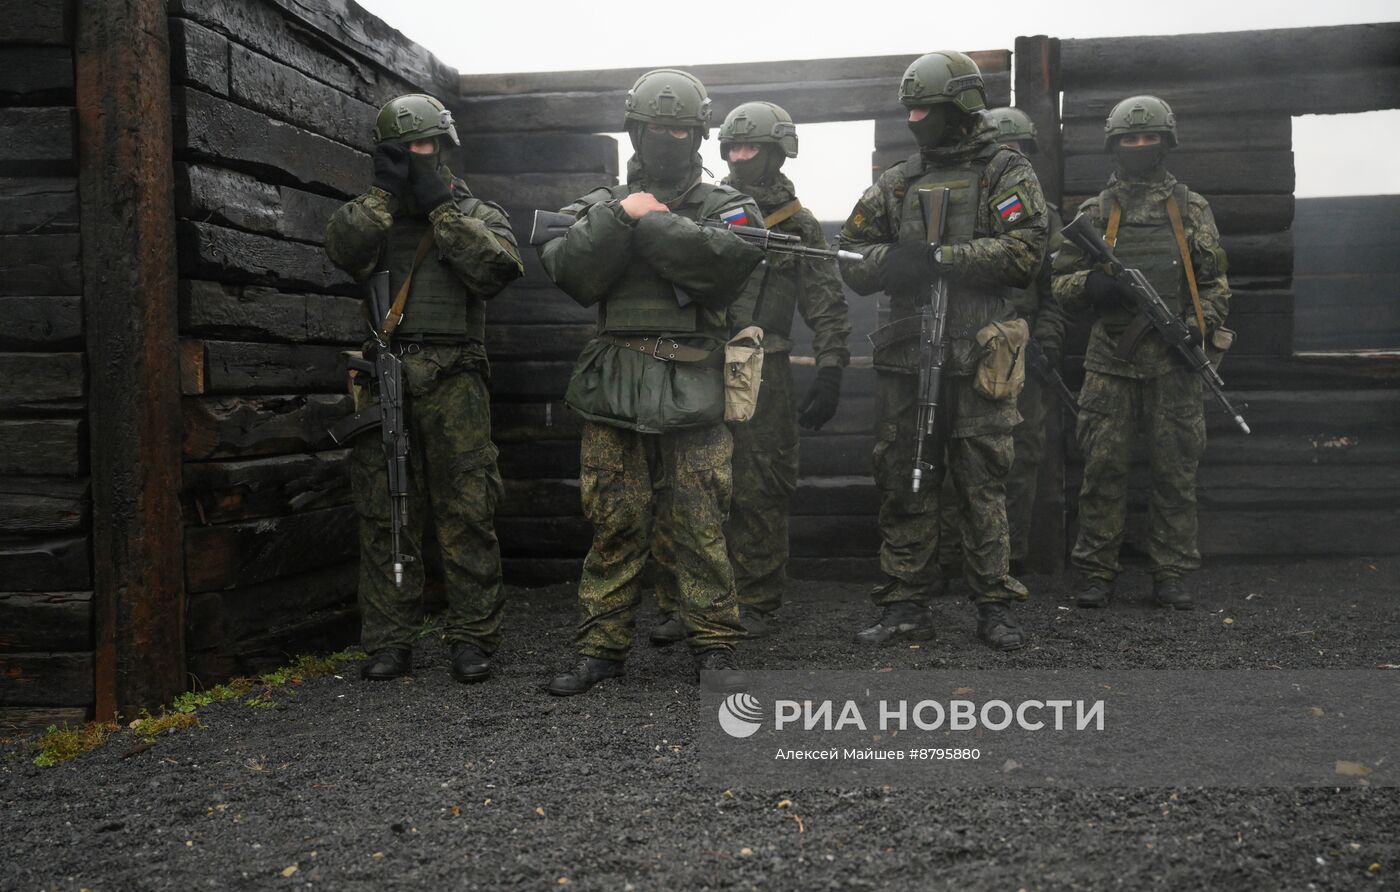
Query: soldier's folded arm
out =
(475, 240)
(821, 302)
(1208, 260)
(1012, 256)
(356, 232)
(712, 266)
(589, 258)
(865, 232)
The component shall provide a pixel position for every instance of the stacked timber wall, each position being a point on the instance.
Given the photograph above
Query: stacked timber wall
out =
(274, 104)
(46, 617)
(1318, 476)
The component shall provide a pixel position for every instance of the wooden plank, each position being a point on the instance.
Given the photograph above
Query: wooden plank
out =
(45, 564)
(242, 554)
(41, 381)
(20, 720)
(1348, 312)
(236, 427)
(199, 57)
(247, 368)
(1198, 133)
(537, 342)
(219, 620)
(40, 264)
(42, 504)
(50, 679)
(47, 22)
(46, 621)
(36, 141)
(1262, 334)
(530, 380)
(36, 75)
(251, 312)
(225, 492)
(38, 204)
(1326, 92)
(728, 74)
(214, 129)
(321, 632)
(127, 213)
(1321, 532)
(1259, 254)
(1355, 414)
(192, 361)
(218, 252)
(1038, 95)
(231, 198)
(537, 152)
(535, 190)
(1124, 59)
(548, 420)
(1236, 173)
(522, 304)
(41, 323)
(288, 95)
(42, 446)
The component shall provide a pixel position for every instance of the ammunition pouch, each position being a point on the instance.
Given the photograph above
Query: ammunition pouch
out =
(1001, 372)
(743, 373)
(1218, 344)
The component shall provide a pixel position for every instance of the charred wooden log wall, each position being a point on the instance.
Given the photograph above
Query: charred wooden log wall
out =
(1319, 474)
(274, 105)
(46, 618)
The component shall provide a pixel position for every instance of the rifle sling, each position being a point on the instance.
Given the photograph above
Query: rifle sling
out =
(782, 213)
(391, 321)
(1174, 212)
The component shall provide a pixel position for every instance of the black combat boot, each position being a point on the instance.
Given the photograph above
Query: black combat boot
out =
(391, 662)
(997, 629)
(717, 670)
(900, 621)
(755, 622)
(1170, 591)
(669, 631)
(1095, 592)
(587, 672)
(470, 663)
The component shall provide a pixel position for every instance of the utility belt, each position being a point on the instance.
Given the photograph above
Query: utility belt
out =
(661, 347)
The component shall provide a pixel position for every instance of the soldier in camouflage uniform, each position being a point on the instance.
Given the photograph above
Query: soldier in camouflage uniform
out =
(471, 256)
(1138, 214)
(995, 239)
(655, 454)
(755, 139)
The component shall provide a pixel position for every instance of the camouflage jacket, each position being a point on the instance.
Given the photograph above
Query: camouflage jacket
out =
(1003, 253)
(1143, 204)
(1037, 304)
(809, 285)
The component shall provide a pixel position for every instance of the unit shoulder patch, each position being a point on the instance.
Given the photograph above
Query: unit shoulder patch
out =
(1011, 205)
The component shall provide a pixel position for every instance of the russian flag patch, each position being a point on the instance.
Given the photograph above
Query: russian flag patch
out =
(1011, 208)
(735, 217)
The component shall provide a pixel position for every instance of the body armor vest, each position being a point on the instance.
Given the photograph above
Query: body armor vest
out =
(641, 300)
(439, 308)
(1151, 248)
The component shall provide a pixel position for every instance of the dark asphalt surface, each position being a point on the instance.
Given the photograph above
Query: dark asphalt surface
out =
(426, 784)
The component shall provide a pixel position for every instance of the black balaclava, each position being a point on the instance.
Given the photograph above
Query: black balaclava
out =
(1139, 161)
(760, 169)
(941, 126)
(665, 159)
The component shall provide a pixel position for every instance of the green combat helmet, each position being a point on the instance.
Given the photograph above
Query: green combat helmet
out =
(944, 76)
(1140, 114)
(759, 123)
(415, 116)
(670, 98)
(1013, 126)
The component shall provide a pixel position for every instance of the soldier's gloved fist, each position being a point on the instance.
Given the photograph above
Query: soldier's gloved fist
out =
(390, 167)
(907, 268)
(1102, 290)
(429, 189)
(819, 405)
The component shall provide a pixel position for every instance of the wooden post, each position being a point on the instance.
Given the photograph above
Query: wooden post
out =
(1038, 95)
(127, 214)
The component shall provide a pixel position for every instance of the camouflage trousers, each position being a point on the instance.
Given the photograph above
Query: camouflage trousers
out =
(977, 462)
(661, 495)
(1170, 414)
(453, 481)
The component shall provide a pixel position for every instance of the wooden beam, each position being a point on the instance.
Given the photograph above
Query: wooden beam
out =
(38, 205)
(1038, 95)
(45, 621)
(41, 323)
(36, 75)
(48, 22)
(128, 222)
(47, 679)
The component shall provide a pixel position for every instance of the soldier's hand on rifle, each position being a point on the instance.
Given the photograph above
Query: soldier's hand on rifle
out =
(639, 204)
(819, 406)
(391, 167)
(1103, 290)
(908, 267)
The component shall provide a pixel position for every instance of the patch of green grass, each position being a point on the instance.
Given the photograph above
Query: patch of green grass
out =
(57, 745)
(149, 726)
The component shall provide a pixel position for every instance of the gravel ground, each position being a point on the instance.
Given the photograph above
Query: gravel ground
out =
(423, 783)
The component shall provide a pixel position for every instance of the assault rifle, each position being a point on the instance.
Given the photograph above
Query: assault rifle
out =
(549, 226)
(1150, 306)
(387, 414)
(1049, 375)
(933, 340)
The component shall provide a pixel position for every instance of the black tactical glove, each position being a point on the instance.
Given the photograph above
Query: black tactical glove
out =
(429, 190)
(1103, 291)
(390, 167)
(819, 405)
(907, 268)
